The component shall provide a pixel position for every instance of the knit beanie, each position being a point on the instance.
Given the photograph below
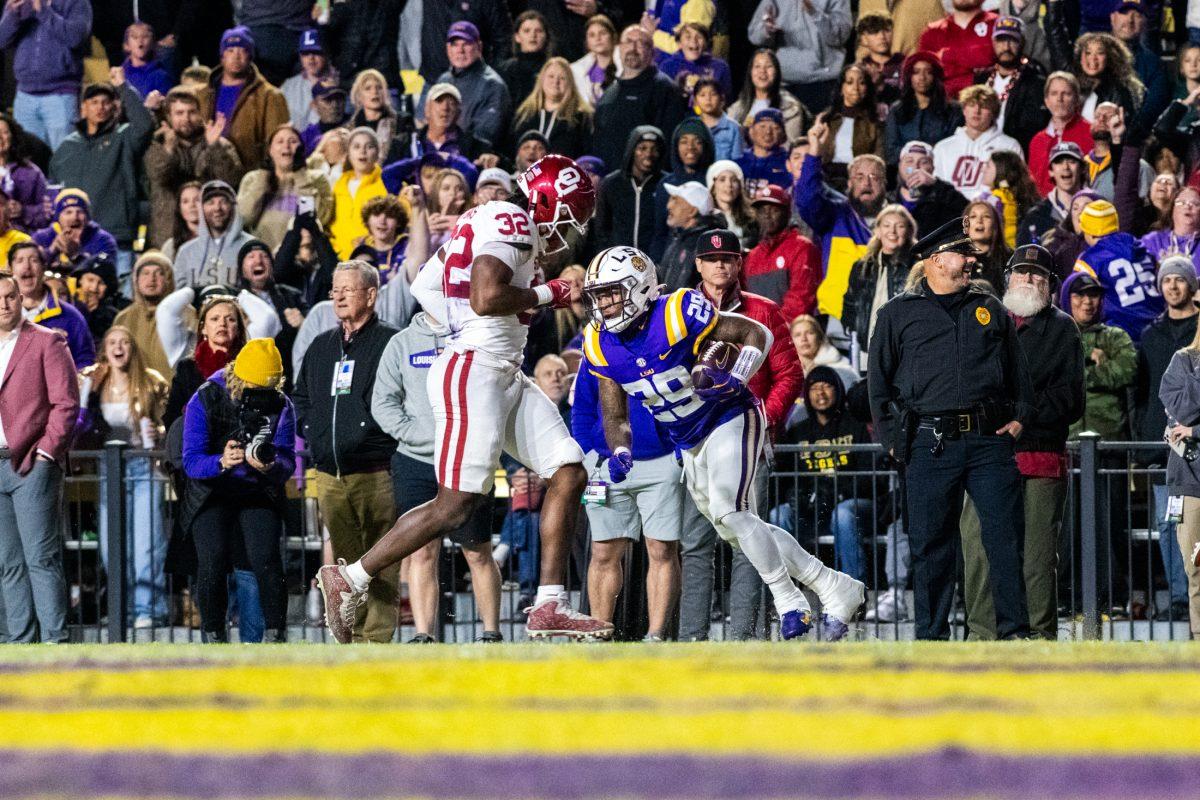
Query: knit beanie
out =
(1183, 267)
(72, 198)
(249, 247)
(1099, 218)
(259, 363)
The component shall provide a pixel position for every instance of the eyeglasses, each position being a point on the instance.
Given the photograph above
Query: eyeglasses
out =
(1188, 203)
(1033, 276)
(334, 294)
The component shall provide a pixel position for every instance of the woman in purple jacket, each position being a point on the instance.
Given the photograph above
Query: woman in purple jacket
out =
(21, 179)
(1183, 235)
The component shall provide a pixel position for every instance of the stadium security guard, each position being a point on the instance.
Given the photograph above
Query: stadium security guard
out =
(950, 392)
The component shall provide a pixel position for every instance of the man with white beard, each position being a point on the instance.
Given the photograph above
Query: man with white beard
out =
(1050, 341)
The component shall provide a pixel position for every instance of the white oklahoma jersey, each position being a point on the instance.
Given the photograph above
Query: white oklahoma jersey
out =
(482, 402)
(497, 229)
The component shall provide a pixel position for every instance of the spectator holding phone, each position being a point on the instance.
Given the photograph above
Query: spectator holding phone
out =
(271, 196)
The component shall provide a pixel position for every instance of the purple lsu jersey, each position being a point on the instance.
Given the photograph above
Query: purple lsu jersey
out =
(653, 363)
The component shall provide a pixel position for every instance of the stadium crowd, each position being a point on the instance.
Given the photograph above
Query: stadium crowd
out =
(223, 206)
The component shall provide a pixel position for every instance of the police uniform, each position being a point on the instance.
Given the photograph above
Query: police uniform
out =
(946, 372)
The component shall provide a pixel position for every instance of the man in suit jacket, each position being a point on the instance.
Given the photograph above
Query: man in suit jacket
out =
(39, 401)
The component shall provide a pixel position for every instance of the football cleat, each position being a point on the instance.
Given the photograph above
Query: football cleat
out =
(839, 605)
(555, 617)
(341, 600)
(794, 624)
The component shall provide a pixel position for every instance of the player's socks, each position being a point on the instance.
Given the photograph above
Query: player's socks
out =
(545, 593)
(760, 548)
(802, 565)
(358, 576)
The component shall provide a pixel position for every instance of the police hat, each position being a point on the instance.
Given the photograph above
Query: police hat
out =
(946, 238)
(1033, 256)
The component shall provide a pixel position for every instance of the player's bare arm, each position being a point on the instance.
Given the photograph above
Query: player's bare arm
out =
(736, 329)
(492, 293)
(614, 410)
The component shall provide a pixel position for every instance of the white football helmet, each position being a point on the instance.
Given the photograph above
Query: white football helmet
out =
(627, 269)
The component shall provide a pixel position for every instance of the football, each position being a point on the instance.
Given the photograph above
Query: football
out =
(717, 355)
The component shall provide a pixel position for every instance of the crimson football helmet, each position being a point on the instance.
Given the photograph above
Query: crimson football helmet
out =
(560, 196)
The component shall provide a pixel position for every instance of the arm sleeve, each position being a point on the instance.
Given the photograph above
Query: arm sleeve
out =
(1120, 368)
(387, 397)
(198, 463)
(427, 289)
(285, 447)
(1125, 187)
(756, 31)
(70, 22)
(10, 25)
(585, 413)
(805, 274)
(881, 370)
(813, 206)
(168, 320)
(834, 23)
(1180, 391)
(63, 394)
(262, 321)
(787, 376)
(141, 121)
(1061, 400)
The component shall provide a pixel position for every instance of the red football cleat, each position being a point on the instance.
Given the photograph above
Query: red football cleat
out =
(556, 618)
(341, 600)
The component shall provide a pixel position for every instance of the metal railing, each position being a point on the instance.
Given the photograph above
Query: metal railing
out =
(1113, 577)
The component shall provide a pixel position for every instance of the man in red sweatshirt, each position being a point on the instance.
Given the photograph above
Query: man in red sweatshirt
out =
(963, 41)
(785, 266)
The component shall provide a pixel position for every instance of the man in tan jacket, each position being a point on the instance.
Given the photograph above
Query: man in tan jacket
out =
(239, 98)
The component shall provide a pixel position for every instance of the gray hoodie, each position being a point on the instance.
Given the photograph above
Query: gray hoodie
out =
(206, 259)
(400, 403)
(811, 46)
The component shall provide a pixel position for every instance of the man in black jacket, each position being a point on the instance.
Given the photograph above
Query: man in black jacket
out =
(256, 273)
(641, 96)
(1050, 341)
(950, 394)
(1019, 82)
(625, 202)
(362, 34)
(350, 451)
(1069, 174)
(932, 201)
(1174, 330)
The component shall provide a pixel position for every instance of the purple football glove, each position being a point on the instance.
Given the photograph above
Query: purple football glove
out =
(716, 383)
(619, 464)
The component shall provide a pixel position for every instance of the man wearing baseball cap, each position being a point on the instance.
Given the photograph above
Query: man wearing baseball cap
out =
(1123, 268)
(777, 384)
(241, 99)
(443, 131)
(1050, 340)
(689, 214)
(765, 161)
(785, 266)
(1128, 21)
(74, 236)
(927, 197)
(1018, 81)
(486, 104)
(329, 106)
(1068, 173)
(493, 184)
(298, 89)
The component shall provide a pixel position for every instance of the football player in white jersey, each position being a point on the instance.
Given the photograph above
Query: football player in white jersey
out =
(483, 283)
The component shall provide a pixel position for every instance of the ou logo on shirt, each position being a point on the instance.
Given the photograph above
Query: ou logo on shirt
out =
(966, 171)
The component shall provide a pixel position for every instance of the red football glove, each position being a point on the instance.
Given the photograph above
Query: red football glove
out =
(561, 293)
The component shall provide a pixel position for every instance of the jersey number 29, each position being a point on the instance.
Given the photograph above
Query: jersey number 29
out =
(665, 394)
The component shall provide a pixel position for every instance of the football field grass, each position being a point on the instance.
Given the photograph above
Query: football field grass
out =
(758, 720)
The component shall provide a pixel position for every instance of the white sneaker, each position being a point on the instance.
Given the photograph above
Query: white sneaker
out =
(143, 622)
(890, 606)
(843, 599)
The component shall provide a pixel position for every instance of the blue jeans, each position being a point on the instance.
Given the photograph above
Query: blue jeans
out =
(522, 533)
(847, 542)
(246, 605)
(49, 117)
(145, 540)
(1168, 546)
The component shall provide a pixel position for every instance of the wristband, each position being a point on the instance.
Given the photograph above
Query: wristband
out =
(545, 295)
(747, 360)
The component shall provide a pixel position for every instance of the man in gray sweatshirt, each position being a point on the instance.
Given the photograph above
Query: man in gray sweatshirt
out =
(400, 406)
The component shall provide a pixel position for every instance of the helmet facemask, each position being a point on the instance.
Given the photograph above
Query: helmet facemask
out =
(554, 234)
(635, 299)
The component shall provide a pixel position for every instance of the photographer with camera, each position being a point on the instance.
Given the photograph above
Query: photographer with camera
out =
(238, 451)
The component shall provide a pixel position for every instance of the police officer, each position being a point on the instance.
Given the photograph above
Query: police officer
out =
(950, 393)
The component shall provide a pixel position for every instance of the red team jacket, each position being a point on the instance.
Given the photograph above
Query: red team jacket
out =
(787, 267)
(961, 50)
(1078, 131)
(780, 379)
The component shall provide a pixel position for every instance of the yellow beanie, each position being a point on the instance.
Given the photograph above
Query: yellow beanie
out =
(1099, 218)
(259, 363)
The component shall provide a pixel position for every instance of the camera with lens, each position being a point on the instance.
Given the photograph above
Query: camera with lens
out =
(258, 414)
(1187, 447)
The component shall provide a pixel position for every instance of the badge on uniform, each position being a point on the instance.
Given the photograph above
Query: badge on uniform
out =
(983, 315)
(596, 493)
(343, 377)
(981, 29)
